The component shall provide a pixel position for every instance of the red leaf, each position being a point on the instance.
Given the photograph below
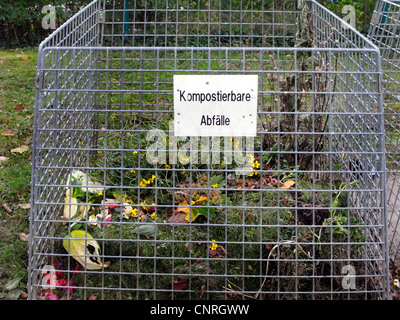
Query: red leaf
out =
(180, 285)
(6, 207)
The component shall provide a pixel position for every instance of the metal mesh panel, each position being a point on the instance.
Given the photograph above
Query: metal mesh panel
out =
(385, 32)
(306, 220)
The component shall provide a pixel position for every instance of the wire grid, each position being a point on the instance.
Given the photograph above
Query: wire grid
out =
(306, 222)
(385, 32)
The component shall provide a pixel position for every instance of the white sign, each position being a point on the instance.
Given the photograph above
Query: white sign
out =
(215, 105)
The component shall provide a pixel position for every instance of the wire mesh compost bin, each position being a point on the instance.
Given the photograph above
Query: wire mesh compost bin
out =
(284, 198)
(385, 32)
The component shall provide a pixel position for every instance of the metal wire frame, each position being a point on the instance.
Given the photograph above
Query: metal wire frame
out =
(93, 109)
(385, 32)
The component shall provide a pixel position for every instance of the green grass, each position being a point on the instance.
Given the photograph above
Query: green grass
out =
(17, 96)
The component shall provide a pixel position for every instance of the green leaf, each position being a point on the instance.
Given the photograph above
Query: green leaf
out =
(12, 284)
(148, 230)
(217, 180)
(209, 213)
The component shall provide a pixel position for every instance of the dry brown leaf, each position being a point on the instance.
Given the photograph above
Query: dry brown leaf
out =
(219, 252)
(23, 236)
(248, 183)
(287, 184)
(202, 290)
(24, 206)
(6, 207)
(19, 107)
(8, 134)
(177, 218)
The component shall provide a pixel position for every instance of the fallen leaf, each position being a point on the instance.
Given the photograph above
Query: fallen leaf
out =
(287, 184)
(202, 290)
(180, 285)
(23, 236)
(12, 284)
(23, 295)
(183, 209)
(3, 159)
(8, 134)
(20, 150)
(177, 218)
(202, 199)
(93, 298)
(23, 57)
(14, 294)
(6, 207)
(84, 249)
(218, 252)
(19, 107)
(148, 230)
(24, 206)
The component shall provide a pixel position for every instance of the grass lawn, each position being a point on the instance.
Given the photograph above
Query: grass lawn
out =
(17, 98)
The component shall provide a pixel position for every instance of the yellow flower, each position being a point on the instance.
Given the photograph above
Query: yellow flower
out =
(254, 173)
(143, 183)
(134, 152)
(100, 194)
(132, 171)
(215, 185)
(144, 203)
(213, 245)
(153, 215)
(256, 164)
(134, 212)
(167, 166)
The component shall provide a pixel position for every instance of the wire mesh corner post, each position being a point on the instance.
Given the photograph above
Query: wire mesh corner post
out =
(385, 32)
(306, 220)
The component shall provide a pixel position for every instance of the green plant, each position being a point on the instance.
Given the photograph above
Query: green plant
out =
(339, 216)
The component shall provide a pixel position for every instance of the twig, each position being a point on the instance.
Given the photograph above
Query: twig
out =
(267, 267)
